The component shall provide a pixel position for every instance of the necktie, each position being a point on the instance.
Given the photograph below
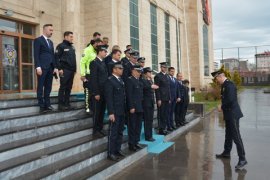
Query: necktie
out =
(120, 80)
(48, 42)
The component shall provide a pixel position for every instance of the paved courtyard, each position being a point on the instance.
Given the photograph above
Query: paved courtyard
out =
(193, 155)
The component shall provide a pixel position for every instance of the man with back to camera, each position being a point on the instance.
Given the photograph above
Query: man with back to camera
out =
(45, 67)
(66, 64)
(232, 114)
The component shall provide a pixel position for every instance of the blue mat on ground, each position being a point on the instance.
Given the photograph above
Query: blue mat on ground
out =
(156, 147)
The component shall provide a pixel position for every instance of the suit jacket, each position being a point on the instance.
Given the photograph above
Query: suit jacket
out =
(163, 92)
(186, 96)
(115, 96)
(127, 71)
(173, 88)
(98, 76)
(229, 105)
(148, 93)
(180, 91)
(43, 54)
(134, 89)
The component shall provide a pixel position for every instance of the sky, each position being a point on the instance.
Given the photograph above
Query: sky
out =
(240, 23)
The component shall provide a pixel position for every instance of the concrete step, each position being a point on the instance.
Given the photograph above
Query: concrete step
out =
(97, 165)
(23, 154)
(52, 163)
(38, 120)
(11, 113)
(17, 139)
(30, 101)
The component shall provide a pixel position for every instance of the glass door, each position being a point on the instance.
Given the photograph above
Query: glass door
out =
(9, 64)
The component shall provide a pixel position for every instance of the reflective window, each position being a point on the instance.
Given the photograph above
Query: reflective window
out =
(154, 39)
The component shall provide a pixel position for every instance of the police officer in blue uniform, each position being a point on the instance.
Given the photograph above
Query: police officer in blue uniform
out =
(232, 114)
(148, 102)
(134, 89)
(66, 64)
(115, 97)
(98, 78)
(134, 55)
(163, 97)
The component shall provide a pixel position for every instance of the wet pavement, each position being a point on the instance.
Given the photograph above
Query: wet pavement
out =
(193, 155)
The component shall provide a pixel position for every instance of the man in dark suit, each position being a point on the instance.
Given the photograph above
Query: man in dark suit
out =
(163, 97)
(148, 103)
(98, 78)
(134, 89)
(116, 103)
(232, 114)
(134, 55)
(45, 67)
(179, 108)
(116, 57)
(125, 59)
(174, 98)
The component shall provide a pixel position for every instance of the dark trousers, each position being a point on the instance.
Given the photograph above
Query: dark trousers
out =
(179, 113)
(115, 135)
(163, 115)
(87, 95)
(170, 114)
(66, 82)
(99, 108)
(232, 134)
(44, 87)
(148, 115)
(134, 127)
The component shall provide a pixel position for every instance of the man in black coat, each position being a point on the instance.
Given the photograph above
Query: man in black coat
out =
(179, 108)
(115, 97)
(66, 64)
(125, 59)
(232, 114)
(148, 103)
(98, 78)
(116, 56)
(45, 67)
(134, 89)
(134, 55)
(163, 97)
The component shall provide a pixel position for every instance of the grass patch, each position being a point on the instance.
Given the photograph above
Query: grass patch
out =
(210, 104)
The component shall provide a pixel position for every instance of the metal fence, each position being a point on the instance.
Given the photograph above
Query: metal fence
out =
(252, 63)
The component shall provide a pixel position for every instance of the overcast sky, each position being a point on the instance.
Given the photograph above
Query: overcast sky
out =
(239, 23)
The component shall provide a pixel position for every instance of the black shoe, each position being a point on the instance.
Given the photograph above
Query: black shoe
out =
(113, 157)
(162, 132)
(185, 122)
(137, 146)
(241, 164)
(49, 108)
(62, 108)
(182, 124)
(42, 110)
(102, 132)
(223, 155)
(169, 129)
(69, 107)
(174, 128)
(132, 148)
(120, 154)
(150, 139)
(178, 125)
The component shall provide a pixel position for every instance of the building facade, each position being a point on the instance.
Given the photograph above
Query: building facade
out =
(263, 62)
(230, 64)
(176, 31)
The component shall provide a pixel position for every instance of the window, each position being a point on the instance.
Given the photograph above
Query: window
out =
(134, 24)
(154, 39)
(178, 45)
(167, 39)
(206, 51)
